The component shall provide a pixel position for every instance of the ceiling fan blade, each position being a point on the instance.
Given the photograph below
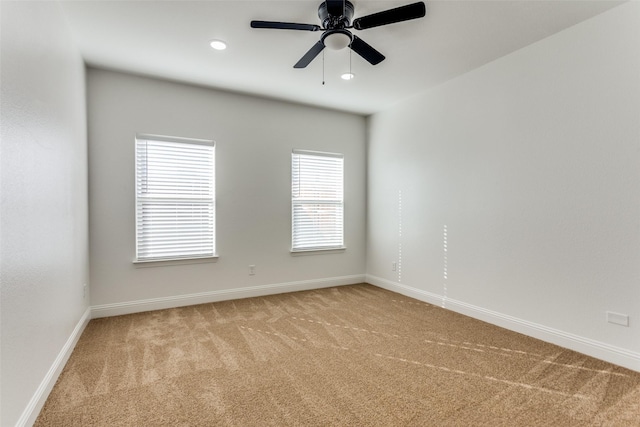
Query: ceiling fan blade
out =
(284, 25)
(363, 49)
(310, 55)
(399, 14)
(335, 7)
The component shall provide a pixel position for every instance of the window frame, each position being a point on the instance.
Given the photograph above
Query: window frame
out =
(323, 249)
(175, 259)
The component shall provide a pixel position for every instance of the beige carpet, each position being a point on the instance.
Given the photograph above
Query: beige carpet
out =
(347, 356)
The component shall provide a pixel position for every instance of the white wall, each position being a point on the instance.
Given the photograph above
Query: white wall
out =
(43, 223)
(532, 162)
(254, 140)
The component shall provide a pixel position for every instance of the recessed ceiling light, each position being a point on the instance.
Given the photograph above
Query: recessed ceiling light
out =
(218, 44)
(348, 76)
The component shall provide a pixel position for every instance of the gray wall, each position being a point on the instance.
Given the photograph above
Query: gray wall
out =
(43, 223)
(254, 138)
(532, 164)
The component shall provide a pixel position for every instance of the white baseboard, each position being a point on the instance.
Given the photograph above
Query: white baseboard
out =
(117, 309)
(31, 412)
(403, 289)
(599, 350)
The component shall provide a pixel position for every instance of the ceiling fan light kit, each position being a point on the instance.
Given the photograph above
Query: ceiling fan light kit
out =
(336, 40)
(335, 16)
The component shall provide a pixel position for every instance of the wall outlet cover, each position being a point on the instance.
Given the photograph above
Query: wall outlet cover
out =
(617, 318)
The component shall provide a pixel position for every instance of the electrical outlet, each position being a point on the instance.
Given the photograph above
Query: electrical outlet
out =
(84, 291)
(394, 266)
(252, 270)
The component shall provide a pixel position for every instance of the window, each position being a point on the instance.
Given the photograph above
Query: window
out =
(175, 198)
(317, 201)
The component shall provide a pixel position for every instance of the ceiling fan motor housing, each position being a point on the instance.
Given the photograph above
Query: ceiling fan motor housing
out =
(331, 22)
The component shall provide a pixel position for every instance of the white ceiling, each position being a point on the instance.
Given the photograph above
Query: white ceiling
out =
(169, 39)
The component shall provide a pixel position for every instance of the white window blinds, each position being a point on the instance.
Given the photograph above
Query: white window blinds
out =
(317, 201)
(175, 198)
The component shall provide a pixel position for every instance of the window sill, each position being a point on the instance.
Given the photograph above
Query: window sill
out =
(302, 252)
(173, 261)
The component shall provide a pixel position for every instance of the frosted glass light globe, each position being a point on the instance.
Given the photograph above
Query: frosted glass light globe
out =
(337, 41)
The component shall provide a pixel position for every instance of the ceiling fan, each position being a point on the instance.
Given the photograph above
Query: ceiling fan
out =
(335, 16)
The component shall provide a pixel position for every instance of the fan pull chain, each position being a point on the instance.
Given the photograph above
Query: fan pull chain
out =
(323, 68)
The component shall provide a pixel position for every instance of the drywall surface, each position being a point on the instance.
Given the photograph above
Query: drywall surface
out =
(254, 138)
(516, 188)
(44, 219)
